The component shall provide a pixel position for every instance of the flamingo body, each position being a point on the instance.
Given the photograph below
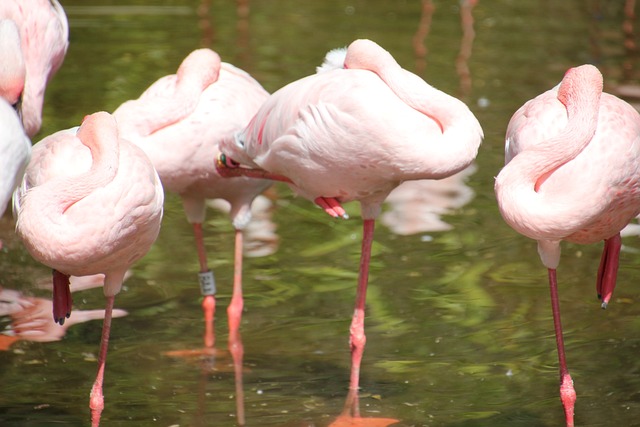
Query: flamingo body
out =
(104, 231)
(313, 128)
(606, 196)
(44, 39)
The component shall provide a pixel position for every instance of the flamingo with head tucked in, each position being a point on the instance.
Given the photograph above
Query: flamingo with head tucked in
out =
(178, 121)
(355, 131)
(90, 202)
(572, 173)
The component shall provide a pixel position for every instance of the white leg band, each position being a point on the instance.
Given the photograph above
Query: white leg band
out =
(207, 283)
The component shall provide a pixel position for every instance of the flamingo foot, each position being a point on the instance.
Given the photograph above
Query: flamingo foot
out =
(96, 403)
(229, 168)
(332, 206)
(608, 270)
(568, 397)
(62, 300)
(357, 341)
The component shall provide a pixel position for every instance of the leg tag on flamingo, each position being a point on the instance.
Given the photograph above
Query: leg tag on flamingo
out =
(207, 283)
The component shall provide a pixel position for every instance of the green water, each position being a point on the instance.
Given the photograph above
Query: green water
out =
(459, 324)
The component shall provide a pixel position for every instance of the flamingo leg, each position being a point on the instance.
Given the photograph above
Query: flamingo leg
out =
(96, 401)
(331, 206)
(357, 338)
(608, 270)
(62, 300)
(234, 313)
(567, 392)
(207, 287)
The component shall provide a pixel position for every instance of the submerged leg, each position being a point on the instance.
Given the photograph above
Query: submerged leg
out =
(96, 401)
(608, 270)
(61, 297)
(567, 392)
(207, 287)
(357, 337)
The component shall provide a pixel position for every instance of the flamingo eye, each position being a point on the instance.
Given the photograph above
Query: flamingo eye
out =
(239, 140)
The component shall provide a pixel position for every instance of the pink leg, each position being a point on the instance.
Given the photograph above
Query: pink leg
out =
(234, 312)
(357, 338)
(61, 297)
(207, 288)
(228, 168)
(96, 401)
(567, 392)
(331, 206)
(608, 270)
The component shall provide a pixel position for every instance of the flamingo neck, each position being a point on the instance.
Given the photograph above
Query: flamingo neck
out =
(519, 187)
(158, 108)
(461, 134)
(105, 152)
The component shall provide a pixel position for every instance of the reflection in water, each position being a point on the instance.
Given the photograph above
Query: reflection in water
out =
(260, 234)
(416, 206)
(31, 318)
(204, 22)
(350, 416)
(213, 360)
(208, 37)
(466, 43)
(424, 26)
(260, 240)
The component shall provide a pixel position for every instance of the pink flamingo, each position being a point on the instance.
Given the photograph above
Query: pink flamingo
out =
(178, 121)
(90, 203)
(44, 39)
(355, 133)
(572, 174)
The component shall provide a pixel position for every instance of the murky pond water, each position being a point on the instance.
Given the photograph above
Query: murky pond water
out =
(459, 324)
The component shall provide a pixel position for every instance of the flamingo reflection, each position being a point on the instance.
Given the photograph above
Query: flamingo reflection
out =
(466, 42)
(417, 206)
(350, 416)
(211, 360)
(31, 316)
